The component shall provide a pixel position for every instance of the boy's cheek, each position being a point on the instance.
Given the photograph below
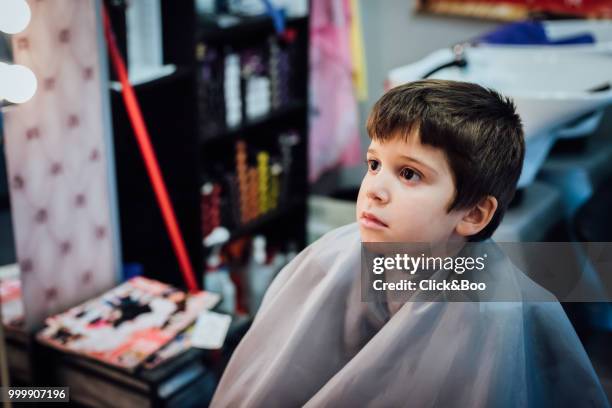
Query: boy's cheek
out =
(418, 225)
(361, 197)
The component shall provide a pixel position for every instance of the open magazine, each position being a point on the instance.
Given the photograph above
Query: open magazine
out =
(10, 297)
(127, 324)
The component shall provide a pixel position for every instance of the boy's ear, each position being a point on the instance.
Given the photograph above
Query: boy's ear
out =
(477, 218)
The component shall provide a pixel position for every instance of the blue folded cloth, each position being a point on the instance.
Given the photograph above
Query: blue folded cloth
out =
(531, 33)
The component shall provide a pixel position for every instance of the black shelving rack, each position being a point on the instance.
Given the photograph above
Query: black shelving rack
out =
(189, 154)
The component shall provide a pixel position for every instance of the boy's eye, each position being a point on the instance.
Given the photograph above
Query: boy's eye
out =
(373, 165)
(410, 175)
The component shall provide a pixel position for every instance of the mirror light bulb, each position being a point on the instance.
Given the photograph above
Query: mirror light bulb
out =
(3, 79)
(14, 16)
(17, 83)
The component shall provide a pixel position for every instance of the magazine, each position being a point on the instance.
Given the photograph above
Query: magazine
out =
(126, 325)
(180, 344)
(10, 297)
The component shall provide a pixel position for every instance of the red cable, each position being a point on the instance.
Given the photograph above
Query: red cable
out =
(146, 149)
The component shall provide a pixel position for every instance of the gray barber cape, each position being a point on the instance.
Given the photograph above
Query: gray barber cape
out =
(314, 343)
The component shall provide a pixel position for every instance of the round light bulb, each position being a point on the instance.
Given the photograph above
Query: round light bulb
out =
(3, 79)
(14, 16)
(17, 83)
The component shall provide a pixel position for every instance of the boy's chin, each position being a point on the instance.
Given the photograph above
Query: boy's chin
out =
(372, 236)
(368, 235)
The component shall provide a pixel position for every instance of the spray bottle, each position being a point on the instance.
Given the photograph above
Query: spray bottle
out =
(261, 272)
(217, 275)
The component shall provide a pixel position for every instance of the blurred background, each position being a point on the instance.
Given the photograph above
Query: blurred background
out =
(202, 144)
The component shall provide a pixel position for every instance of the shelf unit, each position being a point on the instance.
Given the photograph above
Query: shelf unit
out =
(190, 155)
(247, 128)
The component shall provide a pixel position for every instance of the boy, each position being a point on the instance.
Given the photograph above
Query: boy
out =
(443, 165)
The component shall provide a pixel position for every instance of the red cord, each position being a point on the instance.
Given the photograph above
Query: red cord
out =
(148, 154)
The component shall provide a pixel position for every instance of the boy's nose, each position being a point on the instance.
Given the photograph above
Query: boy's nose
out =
(378, 194)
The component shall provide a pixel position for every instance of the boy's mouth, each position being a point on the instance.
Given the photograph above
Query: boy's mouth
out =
(369, 220)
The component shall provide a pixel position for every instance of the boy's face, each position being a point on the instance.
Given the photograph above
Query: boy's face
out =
(405, 194)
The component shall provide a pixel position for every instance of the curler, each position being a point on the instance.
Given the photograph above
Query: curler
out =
(263, 170)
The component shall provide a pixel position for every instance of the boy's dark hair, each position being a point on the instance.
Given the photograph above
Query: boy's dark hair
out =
(478, 129)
